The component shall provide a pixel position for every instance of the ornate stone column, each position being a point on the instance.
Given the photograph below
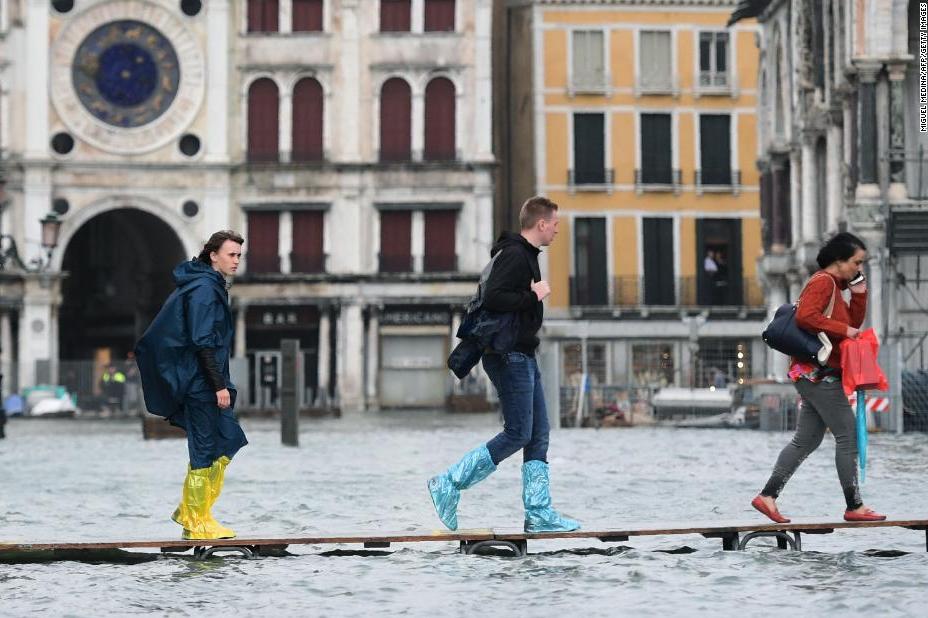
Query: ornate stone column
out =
(897, 190)
(867, 134)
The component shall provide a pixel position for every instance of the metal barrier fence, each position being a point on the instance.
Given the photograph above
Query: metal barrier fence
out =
(584, 405)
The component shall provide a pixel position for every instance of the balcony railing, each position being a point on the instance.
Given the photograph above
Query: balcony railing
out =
(658, 179)
(631, 292)
(439, 263)
(308, 263)
(388, 263)
(591, 179)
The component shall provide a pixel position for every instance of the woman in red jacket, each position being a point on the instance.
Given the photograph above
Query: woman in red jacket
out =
(824, 404)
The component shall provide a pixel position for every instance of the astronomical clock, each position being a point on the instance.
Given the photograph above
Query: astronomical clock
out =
(127, 76)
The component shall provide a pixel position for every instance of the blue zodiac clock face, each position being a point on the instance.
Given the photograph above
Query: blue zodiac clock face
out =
(128, 76)
(126, 73)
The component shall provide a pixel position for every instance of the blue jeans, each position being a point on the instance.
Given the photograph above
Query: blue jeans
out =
(518, 384)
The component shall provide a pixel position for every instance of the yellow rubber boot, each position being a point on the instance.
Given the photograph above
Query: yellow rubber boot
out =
(194, 511)
(178, 512)
(217, 476)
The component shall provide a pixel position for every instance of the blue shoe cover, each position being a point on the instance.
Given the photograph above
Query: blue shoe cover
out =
(536, 496)
(446, 487)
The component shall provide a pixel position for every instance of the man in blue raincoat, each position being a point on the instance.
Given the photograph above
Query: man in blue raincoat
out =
(183, 361)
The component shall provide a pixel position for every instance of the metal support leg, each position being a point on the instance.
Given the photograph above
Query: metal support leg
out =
(202, 553)
(518, 548)
(729, 539)
(783, 539)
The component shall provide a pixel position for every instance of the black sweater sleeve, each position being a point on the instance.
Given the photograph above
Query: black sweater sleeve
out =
(207, 358)
(505, 288)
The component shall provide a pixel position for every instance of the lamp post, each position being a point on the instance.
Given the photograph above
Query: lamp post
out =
(9, 252)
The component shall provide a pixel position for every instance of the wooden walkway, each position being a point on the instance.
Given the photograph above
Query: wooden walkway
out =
(733, 537)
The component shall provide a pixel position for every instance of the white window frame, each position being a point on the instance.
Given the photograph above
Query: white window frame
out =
(674, 151)
(605, 85)
(609, 185)
(714, 89)
(732, 151)
(673, 87)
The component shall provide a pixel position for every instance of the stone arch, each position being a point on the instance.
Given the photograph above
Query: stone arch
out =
(73, 222)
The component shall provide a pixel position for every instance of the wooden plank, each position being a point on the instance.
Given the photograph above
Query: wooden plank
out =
(437, 536)
(797, 525)
(484, 534)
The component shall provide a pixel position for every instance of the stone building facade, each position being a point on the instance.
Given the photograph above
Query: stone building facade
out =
(348, 140)
(840, 149)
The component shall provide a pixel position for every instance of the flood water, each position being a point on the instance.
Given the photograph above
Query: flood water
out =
(98, 480)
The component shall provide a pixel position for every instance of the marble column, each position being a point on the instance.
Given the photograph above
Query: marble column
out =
(810, 204)
(6, 353)
(350, 357)
(41, 298)
(325, 355)
(240, 329)
(897, 131)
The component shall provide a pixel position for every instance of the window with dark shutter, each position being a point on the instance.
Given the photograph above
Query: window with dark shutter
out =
(657, 237)
(261, 255)
(715, 149)
(590, 283)
(589, 149)
(656, 149)
(440, 251)
(395, 15)
(263, 15)
(307, 120)
(307, 256)
(395, 121)
(395, 241)
(263, 122)
(439, 15)
(439, 120)
(307, 16)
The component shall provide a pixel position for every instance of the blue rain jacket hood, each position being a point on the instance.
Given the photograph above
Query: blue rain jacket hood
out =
(196, 315)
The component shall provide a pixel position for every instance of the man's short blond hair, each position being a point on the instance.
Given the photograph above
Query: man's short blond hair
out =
(534, 209)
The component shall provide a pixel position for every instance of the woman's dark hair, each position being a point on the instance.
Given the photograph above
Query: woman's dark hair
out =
(841, 246)
(215, 242)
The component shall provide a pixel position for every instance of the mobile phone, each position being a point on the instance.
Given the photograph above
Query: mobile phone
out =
(858, 279)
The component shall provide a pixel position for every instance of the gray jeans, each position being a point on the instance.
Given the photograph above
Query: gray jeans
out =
(824, 405)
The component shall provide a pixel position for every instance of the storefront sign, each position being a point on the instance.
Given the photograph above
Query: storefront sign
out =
(415, 316)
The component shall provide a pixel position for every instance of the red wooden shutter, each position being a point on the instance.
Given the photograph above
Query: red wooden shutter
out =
(395, 15)
(261, 254)
(271, 16)
(439, 15)
(263, 124)
(307, 256)
(307, 15)
(395, 241)
(439, 120)
(395, 121)
(263, 15)
(307, 120)
(440, 252)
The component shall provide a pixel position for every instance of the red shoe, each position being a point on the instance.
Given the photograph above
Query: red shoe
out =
(868, 515)
(773, 514)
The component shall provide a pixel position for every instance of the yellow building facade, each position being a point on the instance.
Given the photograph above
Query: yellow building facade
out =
(644, 131)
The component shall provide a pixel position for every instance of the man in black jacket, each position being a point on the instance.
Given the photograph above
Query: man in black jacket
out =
(514, 286)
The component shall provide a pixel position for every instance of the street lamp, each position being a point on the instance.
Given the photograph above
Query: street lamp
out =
(9, 252)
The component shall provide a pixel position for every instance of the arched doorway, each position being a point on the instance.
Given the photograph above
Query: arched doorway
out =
(119, 266)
